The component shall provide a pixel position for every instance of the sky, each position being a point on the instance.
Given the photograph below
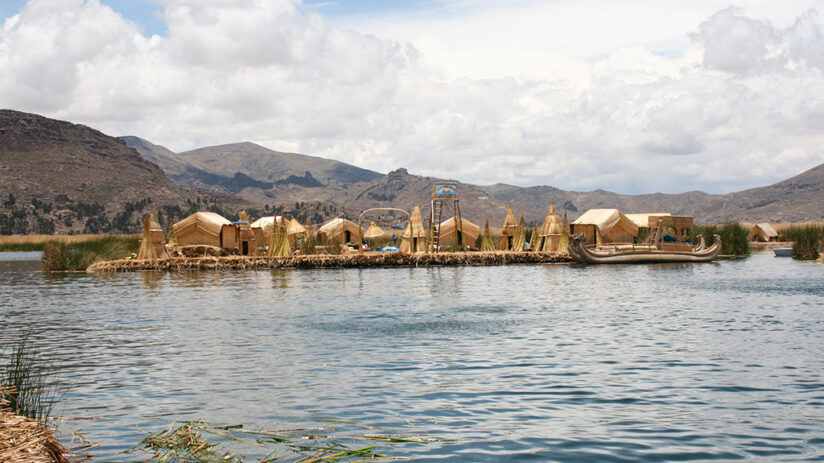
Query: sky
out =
(636, 96)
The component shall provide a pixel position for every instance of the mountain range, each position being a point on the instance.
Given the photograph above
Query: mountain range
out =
(62, 177)
(260, 175)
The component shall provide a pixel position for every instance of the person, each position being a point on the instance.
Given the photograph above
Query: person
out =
(394, 238)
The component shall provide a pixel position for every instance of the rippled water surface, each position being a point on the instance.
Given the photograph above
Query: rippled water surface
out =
(662, 362)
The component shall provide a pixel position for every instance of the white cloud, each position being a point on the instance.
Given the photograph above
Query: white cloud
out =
(578, 95)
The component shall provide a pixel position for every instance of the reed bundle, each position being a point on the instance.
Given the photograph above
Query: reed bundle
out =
(354, 260)
(24, 440)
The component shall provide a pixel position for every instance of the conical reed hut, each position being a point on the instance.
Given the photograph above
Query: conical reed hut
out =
(551, 231)
(508, 230)
(152, 238)
(373, 231)
(414, 236)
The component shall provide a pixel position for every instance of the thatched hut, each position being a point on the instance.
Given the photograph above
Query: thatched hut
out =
(200, 228)
(605, 226)
(508, 231)
(373, 231)
(549, 237)
(414, 236)
(339, 230)
(763, 232)
(153, 244)
(449, 233)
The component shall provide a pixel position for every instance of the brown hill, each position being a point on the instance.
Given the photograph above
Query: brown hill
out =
(61, 177)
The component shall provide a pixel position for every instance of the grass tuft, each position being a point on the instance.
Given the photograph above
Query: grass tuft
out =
(28, 383)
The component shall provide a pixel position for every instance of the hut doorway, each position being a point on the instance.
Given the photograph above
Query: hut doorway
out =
(347, 236)
(244, 248)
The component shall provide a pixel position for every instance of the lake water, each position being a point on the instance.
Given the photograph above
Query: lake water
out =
(719, 361)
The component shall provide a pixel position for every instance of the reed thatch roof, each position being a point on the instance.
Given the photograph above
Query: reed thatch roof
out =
(415, 226)
(373, 231)
(469, 230)
(207, 222)
(336, 229)
(295, 228)
(763, 232)
(607, 219)
(200, 228)
(642, 220)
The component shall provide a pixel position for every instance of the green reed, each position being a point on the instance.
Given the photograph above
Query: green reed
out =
(346, 441)
(61, 257)
(808, 239)
(28, 382)
(734, 237)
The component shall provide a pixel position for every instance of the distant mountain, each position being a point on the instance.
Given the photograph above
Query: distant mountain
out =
(60, 177)
(263, 176)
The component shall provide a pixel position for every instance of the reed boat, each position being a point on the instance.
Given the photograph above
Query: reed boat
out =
(642, 253)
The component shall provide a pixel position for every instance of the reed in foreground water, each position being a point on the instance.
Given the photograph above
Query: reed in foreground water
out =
(345, 441)
(28, 382)
(62, 257)
(734, 237)
(808, 239)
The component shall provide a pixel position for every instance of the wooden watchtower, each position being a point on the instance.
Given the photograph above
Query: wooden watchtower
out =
(444, 195)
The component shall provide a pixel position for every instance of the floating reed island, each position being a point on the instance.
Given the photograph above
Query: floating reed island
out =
(355, 260)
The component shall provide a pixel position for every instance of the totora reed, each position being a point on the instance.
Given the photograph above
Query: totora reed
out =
(329, 261)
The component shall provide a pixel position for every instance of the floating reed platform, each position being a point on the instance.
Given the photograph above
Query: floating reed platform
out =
(366, 260)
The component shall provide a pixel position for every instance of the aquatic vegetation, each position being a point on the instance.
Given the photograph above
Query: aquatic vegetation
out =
(186, 443)
(60, 257)
(12, 243)
(809, 240)
(734, 237)
(28, 383)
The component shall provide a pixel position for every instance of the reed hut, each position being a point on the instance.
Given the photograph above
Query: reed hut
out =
(508, 230)
(549, 238)
(246, 243)
(469, 233)
(153, 244)
(339, 230)
(414, 236)
(200, 228)
(763, 232)
(373, 231)
(605, 226)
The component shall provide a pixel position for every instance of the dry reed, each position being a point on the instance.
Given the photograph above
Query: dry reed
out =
(23, 440)
(353, 260)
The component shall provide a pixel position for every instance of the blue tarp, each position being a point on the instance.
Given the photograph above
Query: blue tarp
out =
(388, 248)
